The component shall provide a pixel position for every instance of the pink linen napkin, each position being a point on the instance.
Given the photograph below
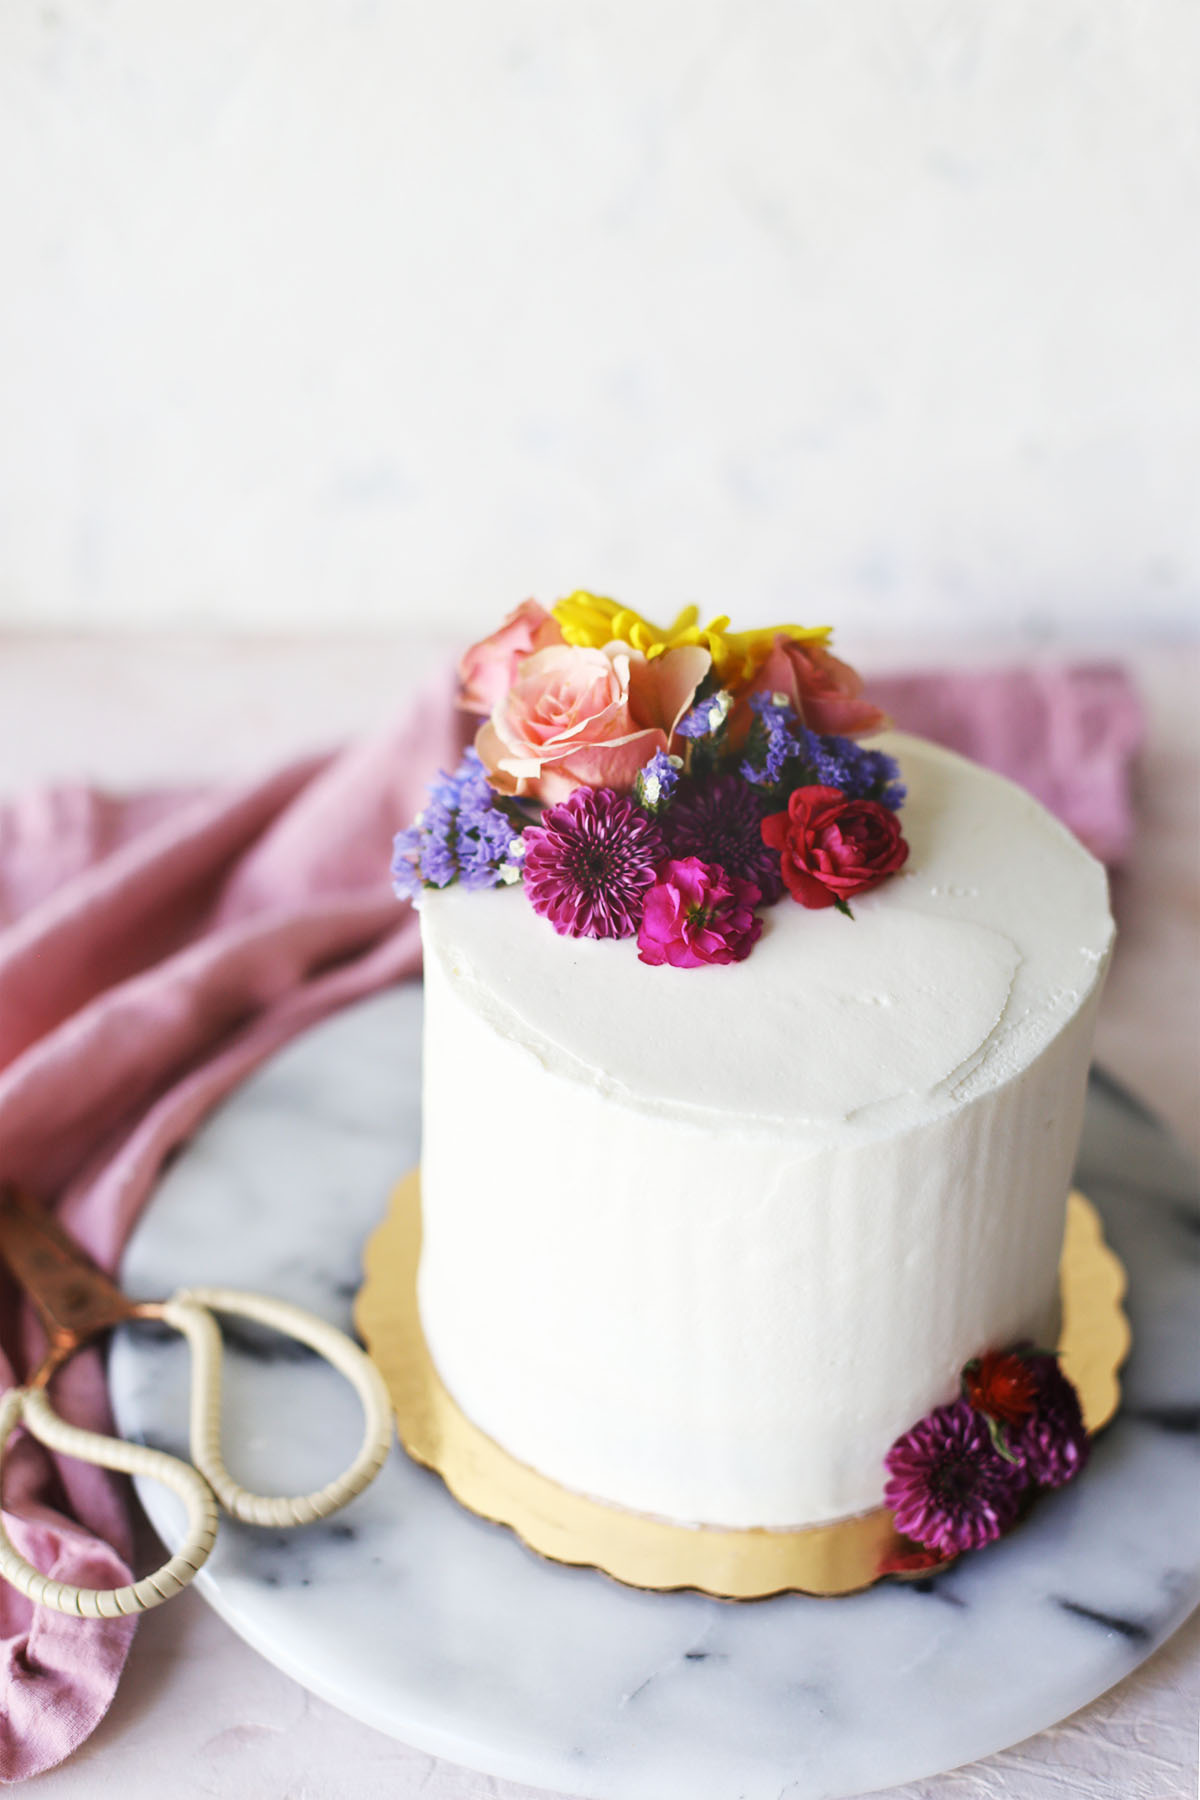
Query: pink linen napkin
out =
(154, 950)
(1068, 734)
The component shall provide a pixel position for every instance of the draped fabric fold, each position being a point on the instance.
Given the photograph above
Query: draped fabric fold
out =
(153, 951)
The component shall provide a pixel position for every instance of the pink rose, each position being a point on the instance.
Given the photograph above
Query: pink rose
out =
(826, 693)
(585, 718)
(487, 669)
(696, 913)
(565, 723)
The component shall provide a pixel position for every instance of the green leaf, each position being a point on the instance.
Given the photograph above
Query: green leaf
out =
(999, 1440)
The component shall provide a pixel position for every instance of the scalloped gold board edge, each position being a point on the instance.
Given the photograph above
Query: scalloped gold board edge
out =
(645, 1552)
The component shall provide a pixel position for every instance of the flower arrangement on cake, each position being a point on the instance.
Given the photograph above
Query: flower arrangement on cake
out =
(667, 786)
(663, 785)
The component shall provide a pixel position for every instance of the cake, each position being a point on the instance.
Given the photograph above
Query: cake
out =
(703, 1241)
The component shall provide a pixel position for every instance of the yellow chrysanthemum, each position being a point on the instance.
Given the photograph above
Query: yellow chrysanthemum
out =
(589, 621)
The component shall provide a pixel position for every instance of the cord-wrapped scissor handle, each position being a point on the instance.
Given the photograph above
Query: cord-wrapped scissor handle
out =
(188, 1311)
(29, 1406)
(201, 1487)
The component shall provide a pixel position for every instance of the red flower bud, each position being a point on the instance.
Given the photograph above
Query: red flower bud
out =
(1001, 1386)
(905, 1558)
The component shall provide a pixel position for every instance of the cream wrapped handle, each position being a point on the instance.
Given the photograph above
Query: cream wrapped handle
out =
(31, 1407)
(201, 1487)
(190, 1311)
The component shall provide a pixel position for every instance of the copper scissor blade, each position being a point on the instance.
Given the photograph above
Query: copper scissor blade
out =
(74, 1299)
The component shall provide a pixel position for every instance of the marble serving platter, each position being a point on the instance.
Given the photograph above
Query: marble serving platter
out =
(440, 1629)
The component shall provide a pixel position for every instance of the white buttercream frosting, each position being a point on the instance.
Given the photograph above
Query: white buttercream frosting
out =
(703, 1242)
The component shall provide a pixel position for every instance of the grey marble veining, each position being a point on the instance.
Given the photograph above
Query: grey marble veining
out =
(426, 1622)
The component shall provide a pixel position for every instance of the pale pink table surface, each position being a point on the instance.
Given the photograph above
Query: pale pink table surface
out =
(200, 1714)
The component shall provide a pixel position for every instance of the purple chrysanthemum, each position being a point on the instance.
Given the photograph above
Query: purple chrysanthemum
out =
(462, 834)
(949, 1488)
(720, 821)
(590, 862)
(1052, 1444)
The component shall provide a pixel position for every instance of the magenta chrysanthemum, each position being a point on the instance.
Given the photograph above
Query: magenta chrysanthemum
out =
(1052, 1444)
(949, 1488)
(589, 863)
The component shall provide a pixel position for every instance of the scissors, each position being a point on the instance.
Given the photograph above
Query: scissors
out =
(76, 1302)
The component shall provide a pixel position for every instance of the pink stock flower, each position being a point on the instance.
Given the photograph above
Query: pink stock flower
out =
(487, 669)
(696, 913)
(585, 718)
(827, 694)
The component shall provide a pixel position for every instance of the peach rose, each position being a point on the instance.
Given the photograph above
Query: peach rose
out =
(584, 718)
(487, 669)
(826, 693)
(662, 690)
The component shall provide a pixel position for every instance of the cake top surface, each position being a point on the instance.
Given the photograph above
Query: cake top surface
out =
(948, 980)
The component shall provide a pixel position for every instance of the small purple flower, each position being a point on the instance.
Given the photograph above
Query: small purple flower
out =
(949, 1488)
(720, 821)
(781, 754)
(861, 774)
(773, 741)
(462, 834)
(707, 718)
(655, 784)
(1052, 1444)
(406, 873)
(590, 862)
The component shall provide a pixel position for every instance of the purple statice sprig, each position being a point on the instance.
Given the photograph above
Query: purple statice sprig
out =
(782, 754)
(464, 833)
(703, 729)
(861, 774)
(708, 717)
(774, 744)
(654, 786)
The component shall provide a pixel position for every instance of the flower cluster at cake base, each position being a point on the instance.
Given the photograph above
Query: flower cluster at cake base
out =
(964, 1474)
(660, 784)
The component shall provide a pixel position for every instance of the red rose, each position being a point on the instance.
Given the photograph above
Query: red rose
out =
(832, 848)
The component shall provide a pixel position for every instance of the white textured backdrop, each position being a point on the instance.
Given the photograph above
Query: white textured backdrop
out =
(320, 313)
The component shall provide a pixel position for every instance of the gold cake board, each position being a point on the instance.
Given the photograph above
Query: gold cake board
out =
(646, 1552)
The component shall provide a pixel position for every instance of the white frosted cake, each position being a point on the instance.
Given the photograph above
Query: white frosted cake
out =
(703, 1242)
